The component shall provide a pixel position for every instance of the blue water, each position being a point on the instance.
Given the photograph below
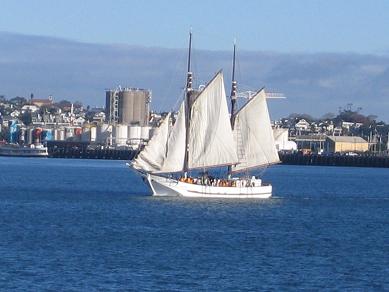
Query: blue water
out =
(90, 225)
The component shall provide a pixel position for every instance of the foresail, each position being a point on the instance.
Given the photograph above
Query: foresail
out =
(175, 154)
(152, 157)
(253, 135)
(211, 140)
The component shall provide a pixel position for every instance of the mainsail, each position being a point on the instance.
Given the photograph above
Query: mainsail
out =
(253, 134)
(211, 140)
(210, 136)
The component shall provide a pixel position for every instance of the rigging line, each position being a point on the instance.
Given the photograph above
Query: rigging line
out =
(177, 102)
(176, 72)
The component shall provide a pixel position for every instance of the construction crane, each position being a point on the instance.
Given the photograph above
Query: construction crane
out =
(269, 95)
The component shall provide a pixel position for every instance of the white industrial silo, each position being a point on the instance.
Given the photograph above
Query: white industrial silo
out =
(134, 134)
(120, 134)
(69, 132)
(93, 132)
(60, 134)
(145, 133)
(103, 133)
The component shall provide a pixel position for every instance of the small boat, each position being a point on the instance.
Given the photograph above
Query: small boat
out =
(23, 151)
(205, 136)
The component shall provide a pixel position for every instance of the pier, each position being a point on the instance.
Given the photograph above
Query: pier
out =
(81, 150)
(334, 160)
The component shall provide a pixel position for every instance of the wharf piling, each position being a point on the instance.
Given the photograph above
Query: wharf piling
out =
(80, 150)
(94, 154)
(334, 160)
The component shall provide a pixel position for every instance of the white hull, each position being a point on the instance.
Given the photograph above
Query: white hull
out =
(162, 186)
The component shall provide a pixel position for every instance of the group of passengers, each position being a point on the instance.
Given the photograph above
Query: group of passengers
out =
(211, 181)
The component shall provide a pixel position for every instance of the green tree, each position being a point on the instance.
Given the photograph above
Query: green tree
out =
(27, 118)
(64, 105)
(18, 100)
(89, 116)
(77, 104)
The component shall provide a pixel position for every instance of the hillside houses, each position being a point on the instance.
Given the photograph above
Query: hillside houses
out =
(311, 135)
(327, 127)
(44, 111)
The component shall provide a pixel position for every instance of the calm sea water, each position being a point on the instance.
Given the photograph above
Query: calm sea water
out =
(90, 225)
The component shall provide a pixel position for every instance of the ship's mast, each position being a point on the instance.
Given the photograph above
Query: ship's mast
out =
(233, 97)
(188, 91)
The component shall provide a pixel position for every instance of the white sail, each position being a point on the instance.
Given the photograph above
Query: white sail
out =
(210, 137)
(152, 157)
(175, 154)
(253, 134)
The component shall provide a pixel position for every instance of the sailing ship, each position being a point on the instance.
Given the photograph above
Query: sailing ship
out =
(206, 136)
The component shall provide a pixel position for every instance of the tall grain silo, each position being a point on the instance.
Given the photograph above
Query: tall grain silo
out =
(134, 106)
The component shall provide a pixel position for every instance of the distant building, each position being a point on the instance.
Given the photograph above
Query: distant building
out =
(347, 125)
(42, 102)
(302, 125)
(29, 107)
(327, 127)
(15, 114)
(79, 121)
(128, 106)
(345, 144)
(99, 117)
(338, 131)
(310, 143)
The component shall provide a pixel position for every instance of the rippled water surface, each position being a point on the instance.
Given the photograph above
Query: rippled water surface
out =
(90, 225)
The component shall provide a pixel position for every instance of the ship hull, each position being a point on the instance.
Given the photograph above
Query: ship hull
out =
(162, 186)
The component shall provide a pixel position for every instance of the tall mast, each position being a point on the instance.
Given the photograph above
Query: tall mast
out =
(233, 95)
(188, 91)
(189, 73)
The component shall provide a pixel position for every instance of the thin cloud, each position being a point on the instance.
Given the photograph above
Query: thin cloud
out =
(314, 83)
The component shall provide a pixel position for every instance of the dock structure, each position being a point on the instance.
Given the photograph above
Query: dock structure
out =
(335, 160)
(65, 149)
(111, 154)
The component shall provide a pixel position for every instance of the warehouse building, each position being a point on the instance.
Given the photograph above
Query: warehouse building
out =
(341, 144)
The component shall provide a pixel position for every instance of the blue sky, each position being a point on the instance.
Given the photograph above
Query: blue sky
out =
(283, 26)
(321, 54)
